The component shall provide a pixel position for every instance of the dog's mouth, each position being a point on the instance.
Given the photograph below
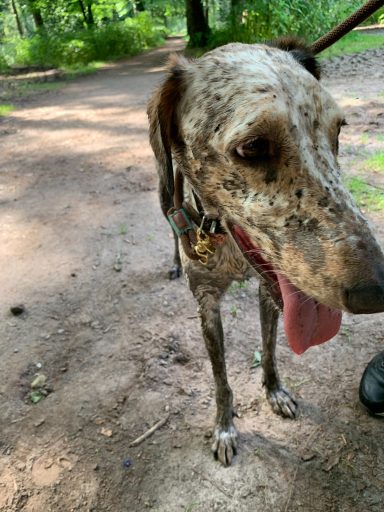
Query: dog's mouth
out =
(306, 321)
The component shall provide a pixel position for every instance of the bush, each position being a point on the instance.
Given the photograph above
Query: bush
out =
(268, 19)
(110, 41)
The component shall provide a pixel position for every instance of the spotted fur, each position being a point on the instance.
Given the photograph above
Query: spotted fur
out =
(292, 202)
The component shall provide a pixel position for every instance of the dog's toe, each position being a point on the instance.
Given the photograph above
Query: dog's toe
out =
(282, 402)
(224, 447)
(175, 272)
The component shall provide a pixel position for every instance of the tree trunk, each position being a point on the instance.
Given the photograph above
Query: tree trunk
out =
(82, 8)
(86, 10)
(197, 25)
(36, 13)
(18, 21)
(90, 18)
(139, 5)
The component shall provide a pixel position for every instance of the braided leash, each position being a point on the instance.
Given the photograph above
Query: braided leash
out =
(346, 26)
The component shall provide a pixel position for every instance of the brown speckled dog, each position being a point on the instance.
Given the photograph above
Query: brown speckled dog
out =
(255, 136)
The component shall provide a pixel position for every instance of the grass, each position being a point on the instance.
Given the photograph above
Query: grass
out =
(237, 285)
(74, 71)
(366, 195)
(6, 109)
(26, 88)
(375, 163)
(354, 42)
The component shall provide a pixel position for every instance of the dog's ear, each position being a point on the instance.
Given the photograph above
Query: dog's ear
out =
(300, 51)
(163, 113)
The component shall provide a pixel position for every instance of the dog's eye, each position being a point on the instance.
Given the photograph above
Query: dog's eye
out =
(258, 149)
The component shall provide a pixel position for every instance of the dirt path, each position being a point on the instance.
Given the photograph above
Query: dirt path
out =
(85, 249)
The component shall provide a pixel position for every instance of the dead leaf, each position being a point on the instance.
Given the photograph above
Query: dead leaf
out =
(106, 432)
(333, 460)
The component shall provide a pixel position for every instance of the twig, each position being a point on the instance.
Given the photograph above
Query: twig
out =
(149, 432)
(212, 482)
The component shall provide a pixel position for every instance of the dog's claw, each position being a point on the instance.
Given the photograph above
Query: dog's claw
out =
(224, 447)
(175, 272)
(282, 402)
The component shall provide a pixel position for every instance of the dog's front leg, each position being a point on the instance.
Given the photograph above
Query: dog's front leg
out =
(279, 398)
(224, 435)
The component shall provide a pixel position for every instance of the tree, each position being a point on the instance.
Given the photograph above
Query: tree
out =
(36, 13)
(86, 10)
(197, 24)
(17, 17)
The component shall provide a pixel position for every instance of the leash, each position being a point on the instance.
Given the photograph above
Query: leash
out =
(201, 236)
(346, 26)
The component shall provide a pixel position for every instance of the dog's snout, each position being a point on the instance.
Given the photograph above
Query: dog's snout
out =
(367, 298)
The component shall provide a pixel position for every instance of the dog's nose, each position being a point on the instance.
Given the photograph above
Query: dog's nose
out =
(367, 298)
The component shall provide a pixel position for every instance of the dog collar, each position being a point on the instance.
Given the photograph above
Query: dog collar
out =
(199, 235)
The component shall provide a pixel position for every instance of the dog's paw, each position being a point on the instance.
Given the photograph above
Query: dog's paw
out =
(282, 402)
(175, 272)
(224, 446)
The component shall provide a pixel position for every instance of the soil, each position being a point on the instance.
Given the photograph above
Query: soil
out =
(112, 346)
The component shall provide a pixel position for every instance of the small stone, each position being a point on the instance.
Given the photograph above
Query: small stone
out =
(17, 310)
(107, 432)
(127, 462)
(208, 434)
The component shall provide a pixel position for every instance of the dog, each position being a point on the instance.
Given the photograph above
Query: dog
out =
(246, 141)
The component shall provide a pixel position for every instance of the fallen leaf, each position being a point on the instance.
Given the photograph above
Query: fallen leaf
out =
(256, 359)
(106, 432)
(39, 381)
(333, 460)
(36, 396)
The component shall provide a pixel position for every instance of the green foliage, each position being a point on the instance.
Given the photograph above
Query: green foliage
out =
(6, 109)
(110, 41)
(268, 19)
(73, 33)
(354, 42)
(365, 194)
(375, 163)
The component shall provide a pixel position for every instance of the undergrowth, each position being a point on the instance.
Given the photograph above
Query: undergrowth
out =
(6, 109)
(71, 49)
(268, 19)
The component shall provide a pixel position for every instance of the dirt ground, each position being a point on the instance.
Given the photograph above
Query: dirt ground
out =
(85, 249)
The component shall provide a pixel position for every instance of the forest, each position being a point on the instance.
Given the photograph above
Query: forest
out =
(65, 33)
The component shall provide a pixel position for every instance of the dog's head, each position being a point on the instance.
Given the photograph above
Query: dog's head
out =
(256, 136)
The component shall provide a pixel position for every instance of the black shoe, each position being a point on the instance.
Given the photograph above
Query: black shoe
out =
(371, 390)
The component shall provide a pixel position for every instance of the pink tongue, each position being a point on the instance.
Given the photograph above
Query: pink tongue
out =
(306, 322)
